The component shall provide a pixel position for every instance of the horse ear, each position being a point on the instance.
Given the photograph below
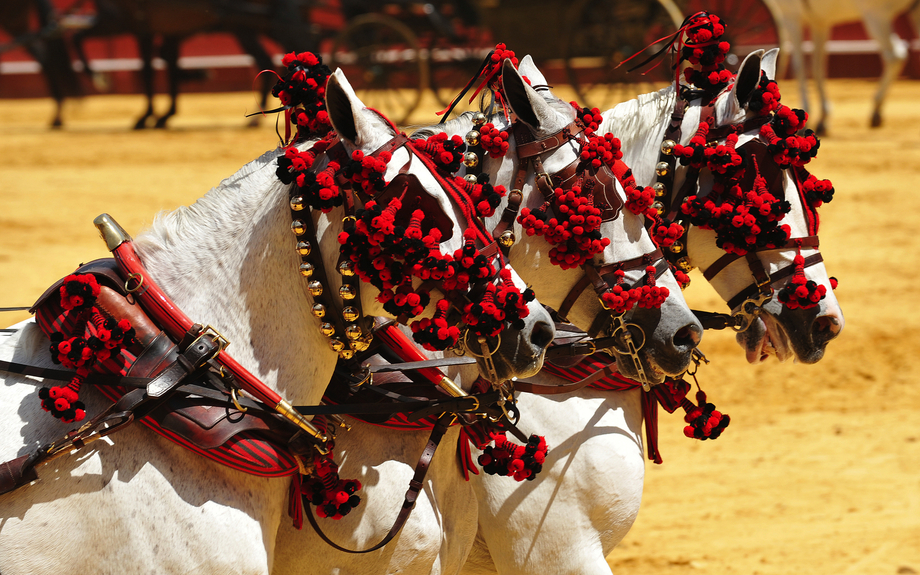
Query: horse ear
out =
(768, 62)
(748, 78)
(529, 70)
(523, 100)
(344, 109)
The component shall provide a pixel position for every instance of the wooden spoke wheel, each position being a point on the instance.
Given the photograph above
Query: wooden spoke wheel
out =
(384, 64)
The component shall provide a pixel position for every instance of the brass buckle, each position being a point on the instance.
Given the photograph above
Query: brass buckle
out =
(222, 342)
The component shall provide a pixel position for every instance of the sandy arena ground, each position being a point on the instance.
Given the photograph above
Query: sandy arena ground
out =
(818, 474)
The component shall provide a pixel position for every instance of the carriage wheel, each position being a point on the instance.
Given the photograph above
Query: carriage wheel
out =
(383, 62)
(602, 33)
(749, 25)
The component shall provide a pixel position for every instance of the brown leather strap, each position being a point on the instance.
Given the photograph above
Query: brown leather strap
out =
(509, 213)
(415, 487)
(17, 472)
(724, 261)
(529, 149)
(780, 274)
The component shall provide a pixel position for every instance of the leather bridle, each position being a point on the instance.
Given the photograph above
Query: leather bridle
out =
(747, 304)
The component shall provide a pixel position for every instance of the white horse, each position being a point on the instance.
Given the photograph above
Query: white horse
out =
(135, 503)
(820, 16)
(527, 524)
(571, 518)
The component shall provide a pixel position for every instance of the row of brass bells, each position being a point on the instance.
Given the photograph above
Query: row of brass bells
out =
(472, 138)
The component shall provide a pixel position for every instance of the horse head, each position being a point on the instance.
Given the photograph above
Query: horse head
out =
(621, 252)
(729, 166)
(419, 232)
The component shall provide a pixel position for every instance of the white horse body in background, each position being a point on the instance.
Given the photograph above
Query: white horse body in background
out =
(135, 503)
(820, 16)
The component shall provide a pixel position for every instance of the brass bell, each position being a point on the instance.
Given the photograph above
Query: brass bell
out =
(470, 160)
(479, 119)
(316, 288)
(659, 207)
(304, 248)
(348, 219)
(667, 147)
(346, 354)
(506, 239)
(337, 345)
(472, 138)
(353, 331)
(662, 168)
(677, 247)
(347, 268)
(361, 344)
(684, 264)
(298, 227)
(327, 329)
(660, 189)
(348, 292)
(471, 178)
(319, 310)
(350, 313)
(306, 269)
(297, 203)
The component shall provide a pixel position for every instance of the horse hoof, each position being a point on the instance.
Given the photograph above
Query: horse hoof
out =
(141, 124)
(161, 124)
(876, 121)
(821, 130)
(57, 124)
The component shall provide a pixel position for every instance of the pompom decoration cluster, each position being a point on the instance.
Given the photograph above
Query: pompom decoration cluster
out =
(509, 459)
(93, 340)
(704, 421)
(571, 223)
(333, 496)
(302, 91)
(703, 48)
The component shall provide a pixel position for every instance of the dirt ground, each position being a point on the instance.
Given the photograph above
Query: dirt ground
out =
(818, 473)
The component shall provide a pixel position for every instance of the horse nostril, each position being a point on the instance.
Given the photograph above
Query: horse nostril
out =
(688, 337)
(826, 327)
(542, 334)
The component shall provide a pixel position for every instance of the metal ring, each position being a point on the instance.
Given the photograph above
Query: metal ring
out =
(473, 353)
(134, 276)
(625, 327)
(236, 402)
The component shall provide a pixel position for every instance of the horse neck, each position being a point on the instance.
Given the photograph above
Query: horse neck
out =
(228, 260)
(639, 124)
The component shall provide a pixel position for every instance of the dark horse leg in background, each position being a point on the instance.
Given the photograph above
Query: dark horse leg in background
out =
(49, 49)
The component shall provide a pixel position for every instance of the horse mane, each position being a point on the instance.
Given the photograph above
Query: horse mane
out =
(223, 208)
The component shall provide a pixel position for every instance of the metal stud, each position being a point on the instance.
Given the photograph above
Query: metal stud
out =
(660, 189)
(479, 119)
(336, 344)
(662, 168)
(470, 160)
(297, 203)
(361, 344)
(348, 292)
(684, 264)
(507, 238)
(471, 178)
(327, 329)
(306, 269)
(316, 288)
(347, 268)
(298, 227)
(353, 331)
(346, 354)
(472, 138)
(319, 310)
(659, 207)
(350, 313)
(677, 247)
(667, 147)
(304, 248)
